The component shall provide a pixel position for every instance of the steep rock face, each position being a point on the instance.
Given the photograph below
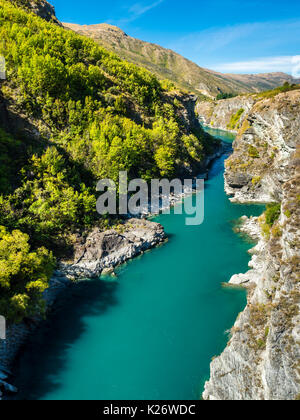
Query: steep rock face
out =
(263, 150)
(186, 109)
(40, 7)
(262, 358)
(218, 114)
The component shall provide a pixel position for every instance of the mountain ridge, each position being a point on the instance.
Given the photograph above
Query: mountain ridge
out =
(167, 64)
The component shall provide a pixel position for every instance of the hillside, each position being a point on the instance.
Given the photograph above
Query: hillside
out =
(72, 113)
(167, 64)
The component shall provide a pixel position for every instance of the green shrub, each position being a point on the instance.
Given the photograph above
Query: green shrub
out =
(225, 96)
(235, 119)
(24, 275)
(261, 344)
(256, 180)
(265, 228)
(253, 152)
(285, 88)
(272, 213)
(276, 231)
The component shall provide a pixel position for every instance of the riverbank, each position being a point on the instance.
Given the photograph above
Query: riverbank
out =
(100, 252)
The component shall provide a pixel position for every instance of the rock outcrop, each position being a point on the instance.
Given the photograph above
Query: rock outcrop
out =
(106, 250)
(263, 150)
(220, 114)
(40, 7)
(262, 358)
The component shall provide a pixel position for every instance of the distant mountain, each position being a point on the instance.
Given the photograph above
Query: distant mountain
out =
(167, 64)
(264, 81)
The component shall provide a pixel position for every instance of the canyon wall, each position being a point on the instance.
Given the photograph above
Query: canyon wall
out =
(262, 358)
(225, 114)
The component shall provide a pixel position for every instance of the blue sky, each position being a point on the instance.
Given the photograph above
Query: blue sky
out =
(238, 36)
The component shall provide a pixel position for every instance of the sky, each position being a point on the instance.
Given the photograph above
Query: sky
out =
(230, 36)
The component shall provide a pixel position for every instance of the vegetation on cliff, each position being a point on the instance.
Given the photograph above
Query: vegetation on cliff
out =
(23, 275)
(286, 87)
(90, 115)
(235, 119)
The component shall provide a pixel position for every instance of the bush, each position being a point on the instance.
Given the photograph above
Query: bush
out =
(24, 275)
(253, 152)
(235, 118)
(256, 180)
(288, 213)
(225, 96)
(285, 88)
(272, 213)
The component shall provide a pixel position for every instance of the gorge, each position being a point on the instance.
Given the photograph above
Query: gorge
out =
(71, 113)
(151, 332)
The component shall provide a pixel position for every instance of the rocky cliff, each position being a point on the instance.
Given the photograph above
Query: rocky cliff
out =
(102, 251)
(39, 7)
(263, 150)
(229, 114)
(220, 114)
(262, 358)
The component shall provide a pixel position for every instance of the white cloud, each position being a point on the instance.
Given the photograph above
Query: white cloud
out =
(296, 66)
(214, 39)
(136, 11)
(258, 33)
(243, 47)
(139, 9)
(287, 64)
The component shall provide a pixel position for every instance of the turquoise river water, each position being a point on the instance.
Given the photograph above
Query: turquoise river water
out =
(152, 333)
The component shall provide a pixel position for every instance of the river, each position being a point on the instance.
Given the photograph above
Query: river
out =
(152, 333)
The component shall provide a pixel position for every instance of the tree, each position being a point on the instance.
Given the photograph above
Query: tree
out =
(24, 275)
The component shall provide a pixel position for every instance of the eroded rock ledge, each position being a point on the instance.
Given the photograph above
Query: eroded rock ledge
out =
(262, 358)
(105, 250)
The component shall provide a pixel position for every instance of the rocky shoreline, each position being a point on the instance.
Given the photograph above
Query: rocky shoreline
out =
(98, 253)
